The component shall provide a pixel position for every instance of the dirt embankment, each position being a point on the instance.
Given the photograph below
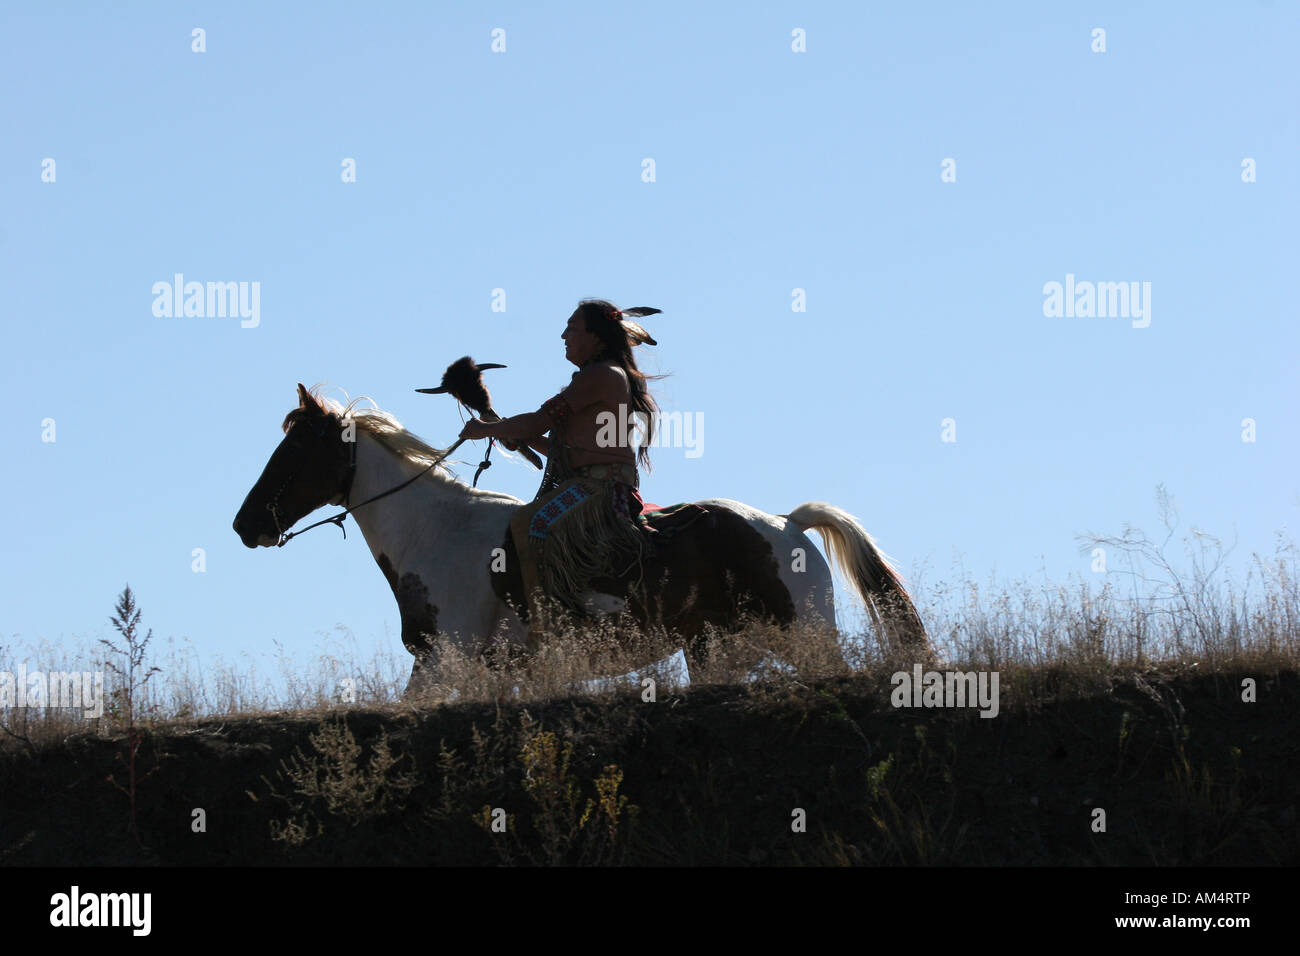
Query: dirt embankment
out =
(1184, 771)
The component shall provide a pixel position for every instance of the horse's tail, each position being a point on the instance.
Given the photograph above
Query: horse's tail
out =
(870, 570)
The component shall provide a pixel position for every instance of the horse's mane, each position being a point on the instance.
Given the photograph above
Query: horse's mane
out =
(381, 426)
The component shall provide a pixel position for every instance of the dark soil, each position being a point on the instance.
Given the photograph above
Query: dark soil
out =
(1185, 772)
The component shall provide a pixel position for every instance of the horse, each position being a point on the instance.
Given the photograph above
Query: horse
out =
(440, 544)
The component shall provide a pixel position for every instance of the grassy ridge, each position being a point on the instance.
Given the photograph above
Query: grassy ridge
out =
(1185, 771)
(1174, 711)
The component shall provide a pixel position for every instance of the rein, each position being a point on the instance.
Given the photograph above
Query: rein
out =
(287, 536)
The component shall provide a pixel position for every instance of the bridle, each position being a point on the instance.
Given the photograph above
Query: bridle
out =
(273, 504)
(287, 536)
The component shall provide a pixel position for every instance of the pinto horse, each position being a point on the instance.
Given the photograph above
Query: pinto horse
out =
(440, 544)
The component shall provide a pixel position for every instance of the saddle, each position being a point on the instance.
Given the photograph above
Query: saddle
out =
(662, 523)
(703, 567)
(660, 528)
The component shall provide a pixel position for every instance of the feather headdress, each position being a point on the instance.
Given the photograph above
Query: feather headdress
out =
(635, 332)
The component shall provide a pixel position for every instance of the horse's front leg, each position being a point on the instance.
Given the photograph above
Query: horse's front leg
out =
(420, 685)
(423, 682)
(470, 627)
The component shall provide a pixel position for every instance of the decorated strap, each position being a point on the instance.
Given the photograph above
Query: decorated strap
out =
(555, 509)
(558, 410)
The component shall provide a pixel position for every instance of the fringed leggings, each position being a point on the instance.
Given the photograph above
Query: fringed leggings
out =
(589, 526)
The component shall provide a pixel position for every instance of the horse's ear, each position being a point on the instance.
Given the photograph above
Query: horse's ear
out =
(304, 399)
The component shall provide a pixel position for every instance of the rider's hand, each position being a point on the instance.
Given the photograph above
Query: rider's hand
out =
(474, 429)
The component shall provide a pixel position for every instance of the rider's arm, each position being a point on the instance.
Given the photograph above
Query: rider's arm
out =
(596, 383)
(526, 426)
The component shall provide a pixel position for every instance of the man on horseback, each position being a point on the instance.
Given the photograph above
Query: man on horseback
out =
(585, 521)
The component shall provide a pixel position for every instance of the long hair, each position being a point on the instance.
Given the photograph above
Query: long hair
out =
(602, 320)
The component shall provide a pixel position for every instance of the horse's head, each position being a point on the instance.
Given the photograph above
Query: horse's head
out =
(312, 467)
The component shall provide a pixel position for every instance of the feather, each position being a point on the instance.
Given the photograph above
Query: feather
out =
(638, 335)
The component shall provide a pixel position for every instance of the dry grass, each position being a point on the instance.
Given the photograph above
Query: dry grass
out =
(1079, 633)
(1125, 692)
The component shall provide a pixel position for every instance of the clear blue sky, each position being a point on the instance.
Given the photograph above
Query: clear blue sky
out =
(522, 170)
